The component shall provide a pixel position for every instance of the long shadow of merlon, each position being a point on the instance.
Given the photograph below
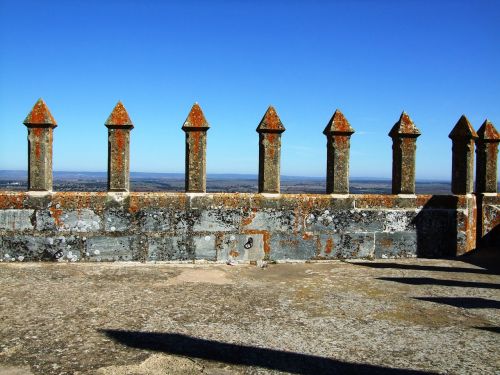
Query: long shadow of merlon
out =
(433, 281)
(464, 302)
(416, 267)
(295, 363)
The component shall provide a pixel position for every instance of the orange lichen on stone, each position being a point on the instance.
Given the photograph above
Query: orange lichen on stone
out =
(338, 124)
(329, 245)
(248, 220)
(120, 147)
(119, 117)
(196, 119)
(12, 200)
(404, 127)
(307, 236)
(40, 115)
(270, 122)
(37, 135)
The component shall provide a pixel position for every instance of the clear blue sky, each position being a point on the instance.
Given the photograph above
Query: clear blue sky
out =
(371, 59)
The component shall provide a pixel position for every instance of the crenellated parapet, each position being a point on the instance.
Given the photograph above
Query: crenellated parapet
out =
(123, 225)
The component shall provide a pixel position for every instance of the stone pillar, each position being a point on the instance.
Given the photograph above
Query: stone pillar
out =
(196, 127)
(40, 124)
(270, 129)
(462, 174)
(338, 132)
(404, 136)
(487, 153)
(119, 126)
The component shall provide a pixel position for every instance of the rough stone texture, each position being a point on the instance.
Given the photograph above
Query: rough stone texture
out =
(16, 220)
(196, 127)
(338, 132)
(119, 126)
(487, 155)
(40, 124)
(404, 135)
(270, 129)
(489, 220)
(412, 316)
(238, 226)
(462, 174)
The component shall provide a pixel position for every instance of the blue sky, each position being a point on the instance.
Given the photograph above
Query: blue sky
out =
(371, 59)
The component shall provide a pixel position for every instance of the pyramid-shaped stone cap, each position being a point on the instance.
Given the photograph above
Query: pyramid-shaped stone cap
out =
(488, 133)
(119, 118)
(40, 116)
(404, 127)
(338, 124)
(271, 122)
(463, 130)
(196, 119)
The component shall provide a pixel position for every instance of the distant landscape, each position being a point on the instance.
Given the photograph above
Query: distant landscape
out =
(244, 183)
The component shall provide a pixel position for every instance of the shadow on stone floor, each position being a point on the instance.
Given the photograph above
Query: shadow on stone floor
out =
(464, 302)
(490, 329)
(419, 267)
(242, 355)
(440, 282)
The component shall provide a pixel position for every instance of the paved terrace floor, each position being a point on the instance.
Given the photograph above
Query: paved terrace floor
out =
(388, 317)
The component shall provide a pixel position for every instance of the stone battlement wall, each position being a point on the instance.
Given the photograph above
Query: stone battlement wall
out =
(235, 226)
(122, 225)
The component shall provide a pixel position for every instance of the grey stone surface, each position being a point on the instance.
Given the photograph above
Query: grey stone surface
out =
(345, 221)
(45, 221)
(84, 220)
(396, 244)
(109, 248)
(354, 245)
(170, 249)
(205, 247)
(217, 221)
(399, 220)
(247, 247)
(154, 220)
(386, 317)
(270, 220)
(30, 248)
(16, 220)
(291, 247)
(116, 220)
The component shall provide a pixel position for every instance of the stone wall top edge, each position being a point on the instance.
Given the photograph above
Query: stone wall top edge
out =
(138, 200)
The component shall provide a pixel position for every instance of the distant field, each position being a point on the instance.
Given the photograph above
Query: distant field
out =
(96, 181)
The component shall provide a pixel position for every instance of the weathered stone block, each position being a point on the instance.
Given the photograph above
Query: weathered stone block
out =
(45, 221)
(399, 221)
(204, 247)
(271, 220)
(345, 221)
(116, 220)
(155, 220)
(395, 245)
(218, 221)
(16, 220)
(31, 248)
(353, 245)
(239, 247)
(84, 220)
(291, 247)
(109, 248)
(170, 248)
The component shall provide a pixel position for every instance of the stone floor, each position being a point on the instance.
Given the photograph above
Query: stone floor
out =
(388, 317)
